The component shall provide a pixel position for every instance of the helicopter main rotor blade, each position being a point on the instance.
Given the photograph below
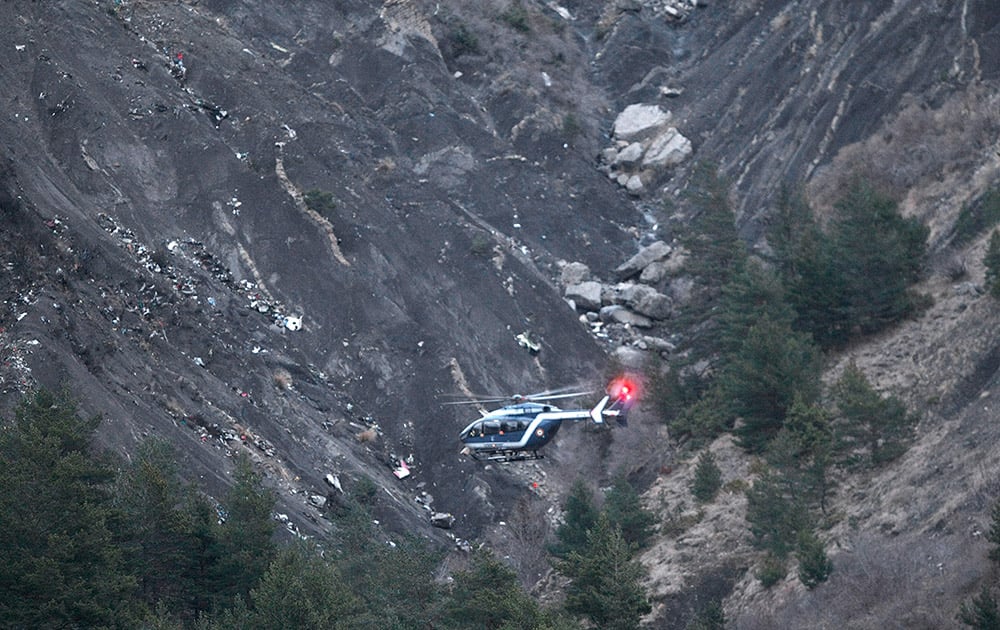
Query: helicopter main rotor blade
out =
(558, 396)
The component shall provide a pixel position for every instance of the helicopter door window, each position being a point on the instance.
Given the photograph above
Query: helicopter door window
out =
(491, 428)
(510, 427)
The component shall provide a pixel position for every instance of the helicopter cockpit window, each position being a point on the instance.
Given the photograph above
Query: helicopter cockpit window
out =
(491, 428)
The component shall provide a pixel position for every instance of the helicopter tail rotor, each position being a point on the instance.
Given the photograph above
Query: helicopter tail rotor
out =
(623, 393)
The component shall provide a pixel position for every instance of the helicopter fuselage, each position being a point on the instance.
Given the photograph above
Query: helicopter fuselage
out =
(514, 431)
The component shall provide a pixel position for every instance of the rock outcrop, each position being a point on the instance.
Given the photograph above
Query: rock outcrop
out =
(645, 145)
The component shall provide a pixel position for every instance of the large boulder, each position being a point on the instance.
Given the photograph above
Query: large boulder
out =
(617, 314)
(668, 149)
(640, 122)
(647, 255)
(647, 301)
(574, 273)
(586, 295)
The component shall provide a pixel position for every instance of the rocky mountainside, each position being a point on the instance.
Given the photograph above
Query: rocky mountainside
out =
(294, 232)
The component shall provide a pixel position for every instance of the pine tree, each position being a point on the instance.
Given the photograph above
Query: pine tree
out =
(302, 590)
(775, 518)
(623, 506)
(488, 595)
(245, 546)
(60, 561)
(164, 530)
(752, 294)
(879, 255)
(774, 365)
(981, 612)
(992, 263)
(994, 534)
(803, 452)
(707, 478)
(580, 515)
(881, 425)
(710, 617)
(605, 582)
(814, 565)
(395, 582)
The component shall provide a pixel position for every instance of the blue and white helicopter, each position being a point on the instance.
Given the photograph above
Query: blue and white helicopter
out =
(517, 431)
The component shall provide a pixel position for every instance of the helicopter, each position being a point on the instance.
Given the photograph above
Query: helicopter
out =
(518, 430)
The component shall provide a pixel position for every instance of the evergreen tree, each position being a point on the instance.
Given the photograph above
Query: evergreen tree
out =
(579, 516)
(803, 452)
(806, 261)
(245, 546)
(299, 590)
(715, 253)
(395, 582)
(752, 294)
(712, 241)
(707, 418)
(855, 277)
(488, 596)
(879, 256)
(168, 530)
(992, 262)
(994, 534)
(710, 617)
(814, 565)
(773, 366)
(707, 478)
(60, 564)
(880, 425)
(605, 582)
(775, 517)
(623, 506)
(981, 612)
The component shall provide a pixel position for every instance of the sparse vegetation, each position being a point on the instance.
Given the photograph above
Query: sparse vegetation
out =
(981, 612)
(516, 16)
(977, 217)
(321, 202)
(993, 536)
(707, 478)
(991, 260)
(814, 565)
(482, 245)
(463, 41)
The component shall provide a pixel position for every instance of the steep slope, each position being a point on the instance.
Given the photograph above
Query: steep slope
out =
(159, 250)
(169, 146)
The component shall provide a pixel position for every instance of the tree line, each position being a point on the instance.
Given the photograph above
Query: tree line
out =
(90, 540)
(760, 328)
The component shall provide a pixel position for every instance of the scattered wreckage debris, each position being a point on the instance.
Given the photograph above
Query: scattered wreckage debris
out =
(193, 250)
(528, 342)
(444, 520)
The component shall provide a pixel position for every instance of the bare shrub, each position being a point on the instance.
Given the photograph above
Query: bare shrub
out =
(905, 582)
(367, 436)
(919, 143)
(282, 379)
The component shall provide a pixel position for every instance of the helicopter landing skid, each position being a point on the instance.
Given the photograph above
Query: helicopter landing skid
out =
(504, 457)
